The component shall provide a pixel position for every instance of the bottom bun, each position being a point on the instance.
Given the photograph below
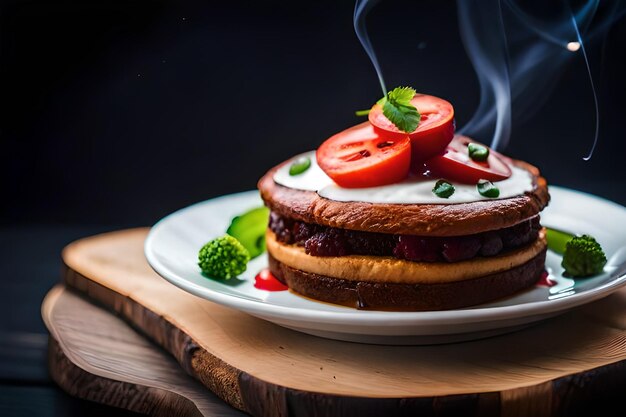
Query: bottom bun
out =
(410, 297)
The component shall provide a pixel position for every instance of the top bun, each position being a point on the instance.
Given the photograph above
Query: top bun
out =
(407, 219)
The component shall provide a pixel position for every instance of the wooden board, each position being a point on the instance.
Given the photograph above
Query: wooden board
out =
(552, 368)
(94, 355)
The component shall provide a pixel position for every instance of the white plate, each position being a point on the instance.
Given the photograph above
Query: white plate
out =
(172, 247)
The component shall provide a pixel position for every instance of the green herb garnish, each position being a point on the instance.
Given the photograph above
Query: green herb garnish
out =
(362, 112)
(398, 109)
(443, 189)
(487, 189)
(299, 166)
(478, 152)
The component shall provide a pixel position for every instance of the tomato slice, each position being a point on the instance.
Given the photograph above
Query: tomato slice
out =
(456, 165)
(434, 132)
(359, 157)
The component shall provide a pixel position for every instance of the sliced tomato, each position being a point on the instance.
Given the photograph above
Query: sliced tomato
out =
(359, 157)
(456, 165)
(434, 132)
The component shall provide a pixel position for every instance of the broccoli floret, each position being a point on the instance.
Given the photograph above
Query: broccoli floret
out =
(583, 257)
(223, 257)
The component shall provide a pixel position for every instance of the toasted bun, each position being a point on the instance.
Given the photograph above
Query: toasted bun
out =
(414, 219)
(410, 297)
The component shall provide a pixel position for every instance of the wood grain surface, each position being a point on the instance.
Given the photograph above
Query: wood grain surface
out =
(553, 368)
(94, 355)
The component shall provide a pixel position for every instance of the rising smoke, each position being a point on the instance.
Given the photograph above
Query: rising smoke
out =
(518, 54)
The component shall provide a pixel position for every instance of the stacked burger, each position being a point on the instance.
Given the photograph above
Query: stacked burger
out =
(390, 216)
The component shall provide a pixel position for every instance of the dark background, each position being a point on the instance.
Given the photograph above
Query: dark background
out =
(116, 113)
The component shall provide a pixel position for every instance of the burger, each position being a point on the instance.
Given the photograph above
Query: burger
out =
(390, 216)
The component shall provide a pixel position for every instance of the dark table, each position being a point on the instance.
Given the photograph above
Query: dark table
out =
(30, 265)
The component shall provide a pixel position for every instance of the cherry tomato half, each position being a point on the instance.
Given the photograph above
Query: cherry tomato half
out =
(359, 157)
(456, 165)
(434, 132)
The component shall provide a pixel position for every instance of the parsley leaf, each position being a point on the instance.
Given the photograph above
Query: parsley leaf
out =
(398, 109)
(402, 95)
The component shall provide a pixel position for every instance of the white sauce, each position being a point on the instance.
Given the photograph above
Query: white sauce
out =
(410, 191)
(313, 179)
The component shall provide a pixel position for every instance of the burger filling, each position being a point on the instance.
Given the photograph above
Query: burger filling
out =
(320, 240)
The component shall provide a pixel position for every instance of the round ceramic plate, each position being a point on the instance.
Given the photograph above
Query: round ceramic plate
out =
(172, 247)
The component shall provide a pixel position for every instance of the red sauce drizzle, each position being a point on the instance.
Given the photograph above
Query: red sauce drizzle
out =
(264, 280)
(545, 281)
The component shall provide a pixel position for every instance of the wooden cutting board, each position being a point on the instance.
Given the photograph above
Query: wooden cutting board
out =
(94, 355)
(562, 365)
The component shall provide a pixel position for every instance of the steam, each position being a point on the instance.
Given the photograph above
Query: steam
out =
(593, 88)
(361, 9)
(482, 31)
(517, 63)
